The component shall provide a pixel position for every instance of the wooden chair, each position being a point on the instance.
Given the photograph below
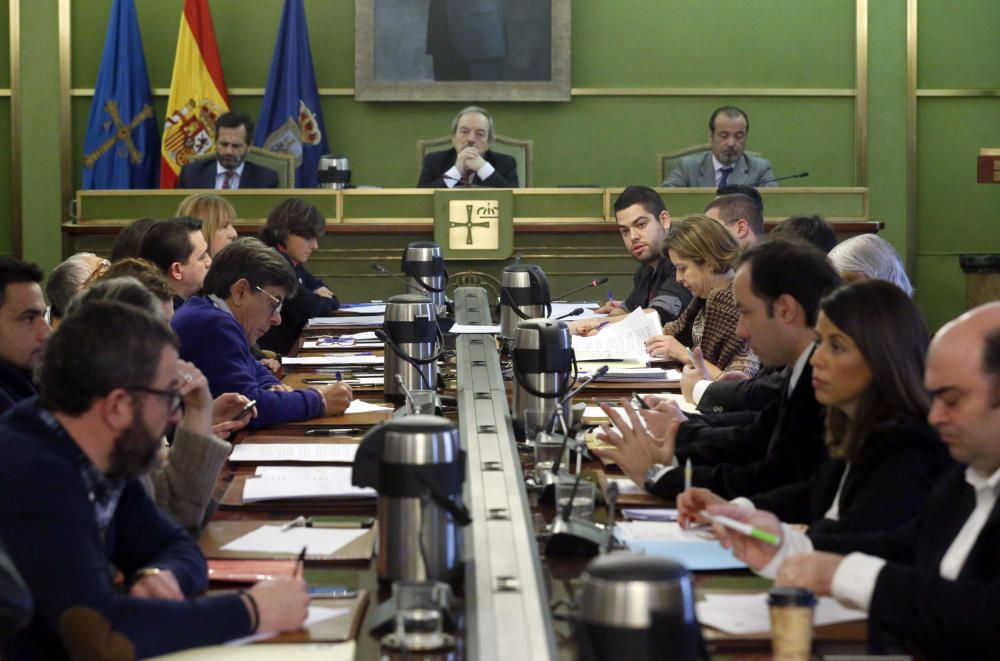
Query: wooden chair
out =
(521, 150)
(666, 161)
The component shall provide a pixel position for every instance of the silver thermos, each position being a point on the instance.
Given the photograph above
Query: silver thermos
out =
(524, 294)
(334, 171)
(638, 608)
(424, 268)
(411, 335)
(418, 468)
(543, 366)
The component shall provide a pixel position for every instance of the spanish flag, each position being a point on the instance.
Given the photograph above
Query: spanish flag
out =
(197, 93)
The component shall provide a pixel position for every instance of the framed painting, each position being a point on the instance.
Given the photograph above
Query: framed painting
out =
(462, 50)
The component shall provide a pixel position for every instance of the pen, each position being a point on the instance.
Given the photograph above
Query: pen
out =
(297, 521)
(687, 474)
(741, 527)
(611, 296)
(602, 325)
(340, 377)
(332, 432)
(641, 401)
(300, 563)
(691, 356)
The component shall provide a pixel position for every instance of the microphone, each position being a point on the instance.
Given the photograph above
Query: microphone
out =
(592, 283)
(611, 495)
(797, 175)
(559, 405)
(406, 392)
(381, 269)
(571, 313)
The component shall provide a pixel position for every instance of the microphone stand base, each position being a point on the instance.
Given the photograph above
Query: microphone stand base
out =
(576, 538)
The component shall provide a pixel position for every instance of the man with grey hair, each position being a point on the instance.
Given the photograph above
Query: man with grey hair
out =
(469, 162)
(69, 278)
(870, 256)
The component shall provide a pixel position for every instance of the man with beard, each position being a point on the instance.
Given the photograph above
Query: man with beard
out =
(23, 329)
(71, 506)
(643, 222)
(726, 162)
(228, 170)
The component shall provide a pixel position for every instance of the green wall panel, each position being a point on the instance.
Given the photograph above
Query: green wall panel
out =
(955, 213)
(726, 43)
(940, 291)
(6, 240)
(956, 44)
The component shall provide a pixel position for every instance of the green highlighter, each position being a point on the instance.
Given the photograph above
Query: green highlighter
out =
(741, 527)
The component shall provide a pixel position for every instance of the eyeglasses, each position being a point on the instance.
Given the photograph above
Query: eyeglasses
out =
(175, 400)
(277, 301)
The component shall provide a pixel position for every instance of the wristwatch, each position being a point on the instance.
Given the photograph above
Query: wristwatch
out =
(649, 477)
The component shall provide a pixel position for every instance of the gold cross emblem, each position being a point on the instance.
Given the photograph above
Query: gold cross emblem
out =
(123, 132)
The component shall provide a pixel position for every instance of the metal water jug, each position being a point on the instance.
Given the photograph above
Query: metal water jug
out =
(543, 366)
(424, 268)
(418, 468)
(524, 294)
(412, 338)
(334, 171)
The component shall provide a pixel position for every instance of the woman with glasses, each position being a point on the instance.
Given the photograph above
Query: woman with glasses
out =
(243, 297)
(293, 229)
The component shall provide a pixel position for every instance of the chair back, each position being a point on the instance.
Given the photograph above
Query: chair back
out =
(283, 164)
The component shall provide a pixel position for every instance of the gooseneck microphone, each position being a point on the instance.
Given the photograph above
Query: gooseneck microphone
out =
(592, 283)
(381, 269)
(797, 175)
(559, 406)
(571, 313)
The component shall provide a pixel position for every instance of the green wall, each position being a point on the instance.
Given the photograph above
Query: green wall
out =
(611, 138)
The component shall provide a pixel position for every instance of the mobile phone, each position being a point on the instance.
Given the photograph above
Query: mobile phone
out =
(245, 410)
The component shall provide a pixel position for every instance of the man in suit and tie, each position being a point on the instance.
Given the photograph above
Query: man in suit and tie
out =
(726, 162)
(229, 169)
(934, 584)
(469, 162)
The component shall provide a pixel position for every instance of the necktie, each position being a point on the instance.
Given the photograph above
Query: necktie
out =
(725, 176)
(227, 180)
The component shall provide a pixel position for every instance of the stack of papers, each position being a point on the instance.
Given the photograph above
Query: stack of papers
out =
(641, 374)
(371, 320)
(335, 359)
(365, 339)
(623, 340)
(290, 482)
(650, 513)
(271, 539)
(747, 613)
(697, 550)
(328, 453)
(364, 308)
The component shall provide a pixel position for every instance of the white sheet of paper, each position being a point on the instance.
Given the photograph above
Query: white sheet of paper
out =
(361, 406)
(626, 486)
(315, 615)
(330, 453)
(747, 613)
(333, 359)
(625, 339)
(698, 550)
(332, 483)
(272, 539)
(370, 320)
(365, 308)
(468, 329)
(559, 309)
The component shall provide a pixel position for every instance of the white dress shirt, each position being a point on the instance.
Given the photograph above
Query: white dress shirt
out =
(453, 177)
(220, 176)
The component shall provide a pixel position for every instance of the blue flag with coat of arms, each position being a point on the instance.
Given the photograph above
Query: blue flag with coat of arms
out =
(290, 117)
(122, 147)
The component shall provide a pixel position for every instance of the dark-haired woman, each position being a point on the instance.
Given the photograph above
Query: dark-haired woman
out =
(868, 369)
(293, 229)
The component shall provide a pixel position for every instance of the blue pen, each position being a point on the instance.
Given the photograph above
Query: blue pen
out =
(611, 296)
(340, 377)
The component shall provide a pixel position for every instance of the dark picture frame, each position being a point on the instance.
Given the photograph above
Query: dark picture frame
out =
(506, 50)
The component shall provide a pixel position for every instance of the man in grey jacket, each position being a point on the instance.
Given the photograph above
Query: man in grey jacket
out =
(726, 162)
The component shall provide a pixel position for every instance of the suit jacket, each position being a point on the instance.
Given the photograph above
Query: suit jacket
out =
(784, 444)
(944, 619)
(438, 162)
(884, 489)
(697, 170)
(201, 174)
(746, 395)
(467, 29)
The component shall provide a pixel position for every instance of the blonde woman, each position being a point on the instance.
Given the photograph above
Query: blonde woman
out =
(217, 216)
(704, 253)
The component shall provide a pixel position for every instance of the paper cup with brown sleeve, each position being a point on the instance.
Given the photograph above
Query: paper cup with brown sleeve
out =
(791, 611)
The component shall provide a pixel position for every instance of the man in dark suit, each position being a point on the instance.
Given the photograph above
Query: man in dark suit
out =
(229, 169)
(934, 584)
(784, 443)
(469, 162)
(726, 162)
(467, 39)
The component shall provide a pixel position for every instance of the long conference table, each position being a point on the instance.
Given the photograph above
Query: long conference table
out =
(505, 603)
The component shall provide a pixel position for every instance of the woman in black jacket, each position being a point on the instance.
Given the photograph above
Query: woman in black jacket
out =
(883, 456)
